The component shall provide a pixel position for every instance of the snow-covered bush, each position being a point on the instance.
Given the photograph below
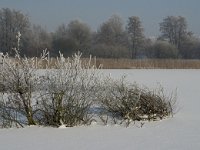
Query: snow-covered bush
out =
(129, 102)
(70, 92)
(59, 96)
(19, 81)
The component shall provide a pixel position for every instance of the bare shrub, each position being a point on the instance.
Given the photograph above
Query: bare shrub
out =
(156, 105)
(70, 91)
(131, 103)
(18, 82)
(66, 93)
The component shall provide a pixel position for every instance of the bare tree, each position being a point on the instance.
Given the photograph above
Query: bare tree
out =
(35, 40)
(11, 22)
(76, 36)
(190, 48)
(111, 39)
(135, 31)
(60, 41)
(162, 49)
(111, 31)
(80, 33)
(174, 28)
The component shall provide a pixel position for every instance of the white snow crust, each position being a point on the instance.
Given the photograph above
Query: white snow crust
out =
(182, 132)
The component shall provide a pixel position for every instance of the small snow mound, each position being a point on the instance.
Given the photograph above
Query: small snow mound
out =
(93, 123)
(62, 126)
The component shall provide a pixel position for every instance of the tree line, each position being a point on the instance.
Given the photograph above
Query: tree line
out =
(112, 39)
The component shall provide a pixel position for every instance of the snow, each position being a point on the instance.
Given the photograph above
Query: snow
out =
(182, 132)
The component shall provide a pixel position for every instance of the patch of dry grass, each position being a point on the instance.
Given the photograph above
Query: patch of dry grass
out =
(121, 63)
(148, 63)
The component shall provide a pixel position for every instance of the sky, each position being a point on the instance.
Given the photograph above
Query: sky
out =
(52, 13)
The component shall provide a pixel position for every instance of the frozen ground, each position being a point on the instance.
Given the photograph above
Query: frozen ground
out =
(179, 133)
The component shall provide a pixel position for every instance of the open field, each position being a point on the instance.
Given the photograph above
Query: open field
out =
(182, 132)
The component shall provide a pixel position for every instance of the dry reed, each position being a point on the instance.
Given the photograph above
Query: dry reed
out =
(129, 63)
(148, 63)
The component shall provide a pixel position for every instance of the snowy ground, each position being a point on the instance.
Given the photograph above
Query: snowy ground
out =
(179, 133)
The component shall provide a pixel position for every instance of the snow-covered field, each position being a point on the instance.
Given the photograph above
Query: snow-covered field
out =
(179, 133)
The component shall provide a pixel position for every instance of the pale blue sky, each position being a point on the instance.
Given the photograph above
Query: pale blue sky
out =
(51, 13)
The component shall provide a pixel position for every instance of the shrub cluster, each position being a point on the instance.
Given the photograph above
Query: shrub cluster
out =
(66, 95)
(129, 102)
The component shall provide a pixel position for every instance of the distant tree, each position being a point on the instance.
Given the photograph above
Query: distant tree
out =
(174, 29)
(80, 33)
(59, 40)
(190, 48)
(135, 31)
(111, 39)
(11, 22)
(109, 51)
(76, 36)
(111, 32)
(36, 40)
(162, 49)
(145, 48)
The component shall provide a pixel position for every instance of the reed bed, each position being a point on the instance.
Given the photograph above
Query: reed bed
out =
(107, 63)
(148, 63)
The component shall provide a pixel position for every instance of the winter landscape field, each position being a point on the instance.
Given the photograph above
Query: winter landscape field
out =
(99, 75)
(181, 132)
